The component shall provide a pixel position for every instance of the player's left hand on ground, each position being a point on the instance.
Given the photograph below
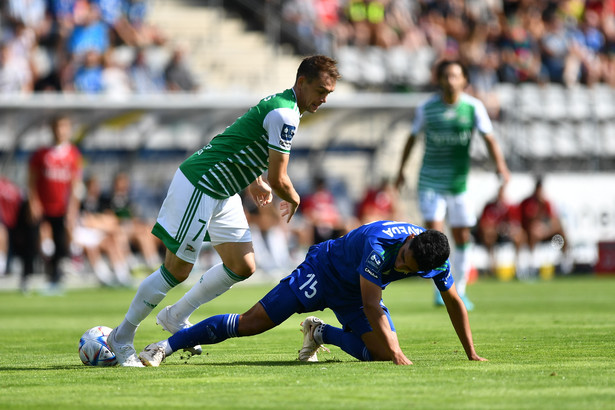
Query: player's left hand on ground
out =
(401, 359)
(477, 358)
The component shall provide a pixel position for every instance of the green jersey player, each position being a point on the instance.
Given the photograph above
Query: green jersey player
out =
(203, 199)
(448, 120)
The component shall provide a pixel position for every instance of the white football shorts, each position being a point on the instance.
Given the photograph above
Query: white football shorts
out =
(187, 214)
(435, 206)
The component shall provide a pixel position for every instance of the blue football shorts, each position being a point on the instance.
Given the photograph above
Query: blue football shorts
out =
(300, 292)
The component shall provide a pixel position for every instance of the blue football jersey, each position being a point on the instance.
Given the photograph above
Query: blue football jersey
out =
(368, 251)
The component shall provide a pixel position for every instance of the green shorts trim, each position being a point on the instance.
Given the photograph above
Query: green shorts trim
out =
(171, 243)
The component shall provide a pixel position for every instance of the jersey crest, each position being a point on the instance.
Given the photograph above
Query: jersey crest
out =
(286, 136)
(373, 264)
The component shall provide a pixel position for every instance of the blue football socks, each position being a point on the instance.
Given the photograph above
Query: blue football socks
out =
(209, 331)
(347, 341)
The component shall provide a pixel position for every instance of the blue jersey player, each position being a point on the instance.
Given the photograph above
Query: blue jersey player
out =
(346, 275)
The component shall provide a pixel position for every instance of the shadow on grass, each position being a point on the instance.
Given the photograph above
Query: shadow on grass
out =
(269, 363)
(254, 363)
(39, 368)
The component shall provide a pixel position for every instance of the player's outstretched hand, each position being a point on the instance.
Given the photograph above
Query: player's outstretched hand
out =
(288, 209)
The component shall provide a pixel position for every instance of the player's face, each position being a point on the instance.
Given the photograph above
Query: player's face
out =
(452, 81)
(405, 259)
(312, 94)
(62, 130)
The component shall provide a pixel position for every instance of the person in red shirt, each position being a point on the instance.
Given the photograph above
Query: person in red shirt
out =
(322, 213)
(538, 218)
(54, 174)
(379, 203)
(498, 223)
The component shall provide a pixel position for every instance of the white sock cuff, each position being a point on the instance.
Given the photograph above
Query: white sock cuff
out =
(318, 334)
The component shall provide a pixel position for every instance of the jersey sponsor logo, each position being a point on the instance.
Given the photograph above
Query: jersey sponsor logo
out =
(371, 273)
(286, 136)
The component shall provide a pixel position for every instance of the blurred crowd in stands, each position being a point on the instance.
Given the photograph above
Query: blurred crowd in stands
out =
(87, 46)
(515, 41)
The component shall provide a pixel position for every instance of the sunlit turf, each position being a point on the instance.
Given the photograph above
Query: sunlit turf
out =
(550, 345)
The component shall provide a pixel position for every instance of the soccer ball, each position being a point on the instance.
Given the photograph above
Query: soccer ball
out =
(93, 347)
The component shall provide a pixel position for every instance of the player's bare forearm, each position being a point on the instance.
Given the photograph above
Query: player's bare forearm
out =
(281, 184)
(459, 318)
(389, 348)
(404, 158)
(498, 157)
(382, 342)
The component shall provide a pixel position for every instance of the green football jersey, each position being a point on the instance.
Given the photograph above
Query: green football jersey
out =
(448, 130)
(237, 156)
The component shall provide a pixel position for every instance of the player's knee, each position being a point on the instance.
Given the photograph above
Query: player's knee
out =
(244, 267)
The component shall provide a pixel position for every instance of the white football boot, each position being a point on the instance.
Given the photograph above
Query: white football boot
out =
(125, 354)
(152, 355)
(171, 325)
(308, 352)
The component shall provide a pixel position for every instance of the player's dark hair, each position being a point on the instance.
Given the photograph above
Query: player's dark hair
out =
(311, 67)
(444, 64)
(430, 249)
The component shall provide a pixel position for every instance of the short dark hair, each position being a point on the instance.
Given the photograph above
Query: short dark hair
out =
(311, 67)
(444, 64)
(430, 249)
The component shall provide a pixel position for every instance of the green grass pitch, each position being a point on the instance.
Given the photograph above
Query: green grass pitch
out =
(550, 345)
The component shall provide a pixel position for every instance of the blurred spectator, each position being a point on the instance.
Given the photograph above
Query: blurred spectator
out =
(379, 203)
(147, 34)
(482, 60)
(588, 41)
(90, 33)
(499, 223)
(114, 78)
(99, 234)
(539, 219)
(23, 234)
(136, 231)
(320, 23)
(12, 209)
(112, 14)
(53, 180)
(368, 19)
(321, 212)
(555, 50)
(88, 77)
(177, 74)
(15, 73)
(520, 54)
(31, 13)
(541, 223)
(143, 78)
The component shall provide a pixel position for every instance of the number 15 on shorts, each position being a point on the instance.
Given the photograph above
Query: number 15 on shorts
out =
(310, 283)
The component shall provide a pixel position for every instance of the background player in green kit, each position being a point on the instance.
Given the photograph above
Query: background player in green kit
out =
(203, 199)
(448, 120)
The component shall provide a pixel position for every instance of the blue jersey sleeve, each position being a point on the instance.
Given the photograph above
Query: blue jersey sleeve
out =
(443, 279)
(372, 263)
